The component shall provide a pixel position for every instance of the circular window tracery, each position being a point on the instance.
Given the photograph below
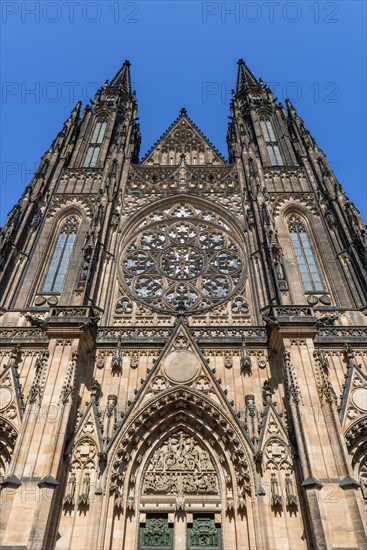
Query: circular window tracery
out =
(182, 258)
(182, 262)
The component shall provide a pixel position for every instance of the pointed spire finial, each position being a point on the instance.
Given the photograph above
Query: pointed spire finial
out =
(122, 77)
(245, 77)
(183, 111)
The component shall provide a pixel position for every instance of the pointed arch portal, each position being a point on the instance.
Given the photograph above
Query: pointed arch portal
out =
(182, 413)
(181, 455)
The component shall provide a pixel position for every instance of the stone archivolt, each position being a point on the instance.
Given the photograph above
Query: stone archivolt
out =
(302, 199)
(182, 412)
(353, 417)
(11, 409)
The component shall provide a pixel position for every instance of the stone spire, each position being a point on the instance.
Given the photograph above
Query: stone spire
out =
(122, 78)
(245, 77)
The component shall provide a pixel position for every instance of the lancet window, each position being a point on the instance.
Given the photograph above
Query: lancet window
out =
(271, 141)
(305, 258)
(61, 256)
(91, 157)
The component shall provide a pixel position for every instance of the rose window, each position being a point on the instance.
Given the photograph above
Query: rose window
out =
(182, 259)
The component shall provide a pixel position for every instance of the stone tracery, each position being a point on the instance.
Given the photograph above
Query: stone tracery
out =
(182, 258)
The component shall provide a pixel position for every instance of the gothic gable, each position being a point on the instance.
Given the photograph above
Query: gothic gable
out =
(90, 427)
(183, 139)
(11, 396)
(274, 441)
(354, 398)
(182, 365)
(271, 425)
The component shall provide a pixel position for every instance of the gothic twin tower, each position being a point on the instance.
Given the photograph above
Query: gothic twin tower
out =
(183, 339)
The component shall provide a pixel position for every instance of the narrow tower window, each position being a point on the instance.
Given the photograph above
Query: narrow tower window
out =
(274, 155)
(305, 258)
(94, 147)
(271, 142)
(61, 256)
(99, 131)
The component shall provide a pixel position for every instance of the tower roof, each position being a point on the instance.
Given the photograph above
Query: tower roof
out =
(244, 76)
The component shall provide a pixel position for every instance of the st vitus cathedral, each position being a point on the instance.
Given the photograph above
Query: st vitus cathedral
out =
(183, 338)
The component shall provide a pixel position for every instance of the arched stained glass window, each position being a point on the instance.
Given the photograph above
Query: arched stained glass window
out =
(91, 157)
(61, 256)
(271, 141)
(305, 258)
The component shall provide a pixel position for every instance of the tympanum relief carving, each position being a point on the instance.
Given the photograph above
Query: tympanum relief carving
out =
(181, 466)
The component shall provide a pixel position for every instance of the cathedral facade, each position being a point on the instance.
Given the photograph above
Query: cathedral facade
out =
(183, 338)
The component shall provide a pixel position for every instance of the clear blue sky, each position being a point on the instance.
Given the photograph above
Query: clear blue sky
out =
(182, 54)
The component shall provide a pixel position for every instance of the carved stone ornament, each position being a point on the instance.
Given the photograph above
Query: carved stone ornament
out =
(273, 428)
(277, 454)
(352, 413)
(181, 466)
(202, 383)
(100, 361)
(159, 383)
(228, 361)
(85, 450)
(261, 362)
(363, 477)
(88, 428)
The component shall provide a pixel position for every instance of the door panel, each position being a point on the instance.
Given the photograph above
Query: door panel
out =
(156, 533)
(203, 534)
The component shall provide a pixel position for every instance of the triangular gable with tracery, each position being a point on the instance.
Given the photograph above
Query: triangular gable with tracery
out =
(89, 427)
(183, 137)
(353, 404)
(181, 365)
(271, 425)
(274, 443)
(12, 404)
